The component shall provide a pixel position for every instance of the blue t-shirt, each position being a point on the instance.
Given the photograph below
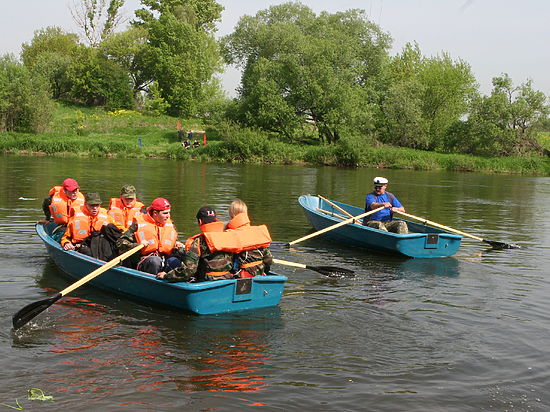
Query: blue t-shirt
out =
(384, 215)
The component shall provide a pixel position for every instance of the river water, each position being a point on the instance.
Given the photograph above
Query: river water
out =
(463, 333)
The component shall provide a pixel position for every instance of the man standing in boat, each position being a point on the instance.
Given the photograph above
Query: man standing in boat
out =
(383, 220)
(156, 231)
(123, 209)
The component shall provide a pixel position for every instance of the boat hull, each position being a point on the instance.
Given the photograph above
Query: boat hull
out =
(421, 241)
(202, 298)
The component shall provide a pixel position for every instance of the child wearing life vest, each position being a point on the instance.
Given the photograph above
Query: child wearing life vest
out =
(255, 261)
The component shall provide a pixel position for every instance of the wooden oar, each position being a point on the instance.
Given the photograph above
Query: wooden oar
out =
(334, 205)
(327, 212)
(335, 226)
(330, 271)
(495, 244)
(35, 308)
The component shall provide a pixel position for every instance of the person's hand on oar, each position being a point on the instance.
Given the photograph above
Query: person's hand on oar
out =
(330, 271)
(33, 309)
(493, 243)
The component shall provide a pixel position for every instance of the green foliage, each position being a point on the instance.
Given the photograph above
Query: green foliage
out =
(301, 69)
(506, 123)
(154, 103)
(182, 54)
(24, 101)
(128, 50)
(97, 18)
(425, 97)
(49, 40)
(99, 82)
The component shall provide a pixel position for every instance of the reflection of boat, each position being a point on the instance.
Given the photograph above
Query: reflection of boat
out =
(439, 267)
(421, 241)
(201, 298)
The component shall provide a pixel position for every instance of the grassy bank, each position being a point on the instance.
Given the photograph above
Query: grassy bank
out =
(94, 132)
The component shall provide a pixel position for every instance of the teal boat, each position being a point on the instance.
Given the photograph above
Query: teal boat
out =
(202, 298)
(421, 241)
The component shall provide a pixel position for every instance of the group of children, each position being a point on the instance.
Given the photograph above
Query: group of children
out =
(219, 251)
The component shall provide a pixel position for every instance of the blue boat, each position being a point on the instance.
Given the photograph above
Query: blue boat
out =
(421, 241)
(202, 298)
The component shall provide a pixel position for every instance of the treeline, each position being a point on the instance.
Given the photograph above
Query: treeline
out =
(307, 79)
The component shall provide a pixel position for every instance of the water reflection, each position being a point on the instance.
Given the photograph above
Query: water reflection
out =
(107, 345)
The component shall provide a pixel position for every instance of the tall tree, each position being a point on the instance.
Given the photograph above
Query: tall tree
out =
(182, 54)
(97, 19)
(425, 97)
(24, 101)
(50, 54)
(504, 123)
(302, 71)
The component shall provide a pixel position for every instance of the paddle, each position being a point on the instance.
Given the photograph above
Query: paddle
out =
(495, 244)
(35, 308)
(334, 205)
(330, 271)
(335, 226)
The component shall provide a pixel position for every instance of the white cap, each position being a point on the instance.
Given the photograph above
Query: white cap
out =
(380, 181)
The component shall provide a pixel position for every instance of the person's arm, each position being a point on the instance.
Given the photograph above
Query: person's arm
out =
(371, 204)
(188, 267)
(396, 206)
(66, 240)
(127, 240)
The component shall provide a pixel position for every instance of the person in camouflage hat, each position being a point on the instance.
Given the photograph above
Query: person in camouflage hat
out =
(200, 263)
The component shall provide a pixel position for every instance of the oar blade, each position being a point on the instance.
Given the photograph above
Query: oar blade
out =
(332, 271)
(32, 310)
(502, 245)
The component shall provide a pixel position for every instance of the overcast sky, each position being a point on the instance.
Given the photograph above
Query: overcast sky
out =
(493, 36)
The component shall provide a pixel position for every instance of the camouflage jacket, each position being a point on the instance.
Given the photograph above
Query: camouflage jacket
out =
(199, 261)
(262, 255)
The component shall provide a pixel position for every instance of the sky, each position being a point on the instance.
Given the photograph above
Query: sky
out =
(493, 36)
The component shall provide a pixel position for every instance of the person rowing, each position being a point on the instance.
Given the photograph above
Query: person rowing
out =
(383, 220)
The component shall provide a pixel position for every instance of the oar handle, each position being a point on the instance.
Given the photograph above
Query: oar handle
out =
(337, 225)
(334, 205)
(100, 270)
(450, 229)
(287, 263)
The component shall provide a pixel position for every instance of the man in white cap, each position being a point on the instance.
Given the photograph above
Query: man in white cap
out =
(382, 220)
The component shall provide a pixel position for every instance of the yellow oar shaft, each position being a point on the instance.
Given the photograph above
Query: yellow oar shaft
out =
(449, 229)
(337, 225)
(100, 270)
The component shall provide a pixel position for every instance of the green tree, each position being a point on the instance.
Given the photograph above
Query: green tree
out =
(24, 101)
(304, 73)
(49, 55)
(129, 50)
(504, 123)
(425, 97)
(182, 54)
(97, 81)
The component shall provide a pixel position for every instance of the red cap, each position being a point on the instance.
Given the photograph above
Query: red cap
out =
(159, 203)
(70, 184)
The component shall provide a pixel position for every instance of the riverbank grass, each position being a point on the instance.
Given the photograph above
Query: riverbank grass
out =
(83, 131)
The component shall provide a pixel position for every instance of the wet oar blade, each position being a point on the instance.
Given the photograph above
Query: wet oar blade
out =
(332, 271)
(32, 310)
(502, 245)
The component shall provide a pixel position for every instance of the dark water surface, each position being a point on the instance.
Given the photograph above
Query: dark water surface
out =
(469, 332)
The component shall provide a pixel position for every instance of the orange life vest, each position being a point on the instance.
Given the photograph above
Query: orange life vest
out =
(207, 228)
(61, 205)
(252, 237)
(82, 224)
(122, 215)
(160, 239)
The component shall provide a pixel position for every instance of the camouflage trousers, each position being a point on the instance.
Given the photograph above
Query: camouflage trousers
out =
(395, 226)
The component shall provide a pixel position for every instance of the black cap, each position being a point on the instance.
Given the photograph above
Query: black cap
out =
(206, 214)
